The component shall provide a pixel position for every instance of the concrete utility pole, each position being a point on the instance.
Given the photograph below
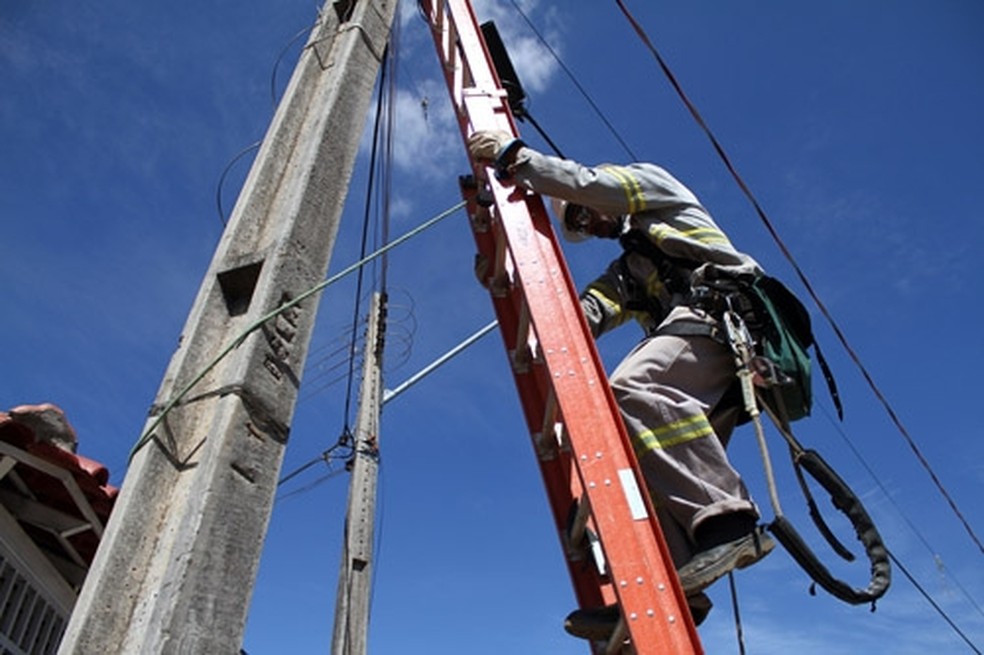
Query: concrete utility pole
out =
(355, 574)
(177, 563)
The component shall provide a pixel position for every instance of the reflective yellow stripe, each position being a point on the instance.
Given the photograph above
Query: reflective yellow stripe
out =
(631, 186)
(673, 434)
(614, 316)
(607, 297)
(705, 235)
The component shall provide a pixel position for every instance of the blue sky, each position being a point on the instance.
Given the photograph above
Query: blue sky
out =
(856, 124)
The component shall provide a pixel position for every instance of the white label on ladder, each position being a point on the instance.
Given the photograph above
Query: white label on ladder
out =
(637, 505)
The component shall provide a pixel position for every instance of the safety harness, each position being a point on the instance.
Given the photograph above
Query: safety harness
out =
(758, 389)
(773, 369)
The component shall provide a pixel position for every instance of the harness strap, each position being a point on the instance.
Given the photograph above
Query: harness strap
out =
(692, 329)
(843, 498)
(829, 378)
(815, 514)
(674, 272)
(781, 419)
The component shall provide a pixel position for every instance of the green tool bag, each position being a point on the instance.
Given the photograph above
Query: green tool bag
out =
(785, 339)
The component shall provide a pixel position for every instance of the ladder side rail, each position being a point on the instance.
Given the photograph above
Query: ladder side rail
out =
(542, 416)
(637, 557)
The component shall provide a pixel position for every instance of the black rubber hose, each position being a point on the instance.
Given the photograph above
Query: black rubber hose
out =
(848, 503)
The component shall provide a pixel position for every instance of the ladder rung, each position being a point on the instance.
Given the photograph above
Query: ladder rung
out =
(580, 538)
(522, 355)
(618, 644)
(578, 523)
(501, 279)
(535, 299)
(481, 220)
(550, 438)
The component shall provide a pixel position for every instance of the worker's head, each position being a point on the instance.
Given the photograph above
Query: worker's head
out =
(578, 222)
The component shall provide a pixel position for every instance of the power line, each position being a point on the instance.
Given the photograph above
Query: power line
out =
(929, 599)
(256, 145)
(587, 97)
(922, 538)
(218, 186)
(283, 52)
(179, 397)
(380, 99)
(806, 283)
(799, 272)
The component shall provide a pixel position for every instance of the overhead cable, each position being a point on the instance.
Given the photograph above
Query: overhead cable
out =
(256, 145)
(218, 185)
(919, 535)
(178, 398)
(380, 99)
(930, 600)
(391, 394)
(800, 274)
(574, 81)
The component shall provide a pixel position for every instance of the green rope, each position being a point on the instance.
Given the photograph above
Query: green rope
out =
(238, 341)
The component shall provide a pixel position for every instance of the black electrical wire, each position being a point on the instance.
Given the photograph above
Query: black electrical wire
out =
(218, 186)
(311, 485)
(929, 600)
(806, 283)
(256, 146)
(365, 233)
(386, 187)
(857, 454)
(799, 272)
(577, 85)
(280, 57)
(739, 631)
(391, 64)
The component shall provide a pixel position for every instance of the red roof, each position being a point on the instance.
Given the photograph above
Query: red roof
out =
(50, 474)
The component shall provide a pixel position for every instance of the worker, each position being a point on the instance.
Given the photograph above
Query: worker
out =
(675, 389)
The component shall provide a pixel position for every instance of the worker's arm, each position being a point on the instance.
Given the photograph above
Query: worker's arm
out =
(608, 188)
(661, 207)
(616, 296)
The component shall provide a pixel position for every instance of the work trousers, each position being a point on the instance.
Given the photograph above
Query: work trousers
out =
(671, 391)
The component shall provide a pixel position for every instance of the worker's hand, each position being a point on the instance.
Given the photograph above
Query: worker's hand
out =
(485, 146)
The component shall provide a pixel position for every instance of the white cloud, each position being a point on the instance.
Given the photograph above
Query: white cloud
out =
(427, 135)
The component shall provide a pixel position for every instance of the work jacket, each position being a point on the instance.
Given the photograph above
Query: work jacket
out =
(658, 209)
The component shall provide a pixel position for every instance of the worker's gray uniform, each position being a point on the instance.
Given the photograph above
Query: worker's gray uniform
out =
(669, 387)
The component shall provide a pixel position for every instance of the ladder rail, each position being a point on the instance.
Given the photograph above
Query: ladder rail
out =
(584, 452)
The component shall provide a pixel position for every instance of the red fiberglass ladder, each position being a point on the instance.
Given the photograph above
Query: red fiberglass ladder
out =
(615, 549)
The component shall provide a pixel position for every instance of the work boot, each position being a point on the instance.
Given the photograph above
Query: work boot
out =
(598, 623)
(594, 623)
(708, 566)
